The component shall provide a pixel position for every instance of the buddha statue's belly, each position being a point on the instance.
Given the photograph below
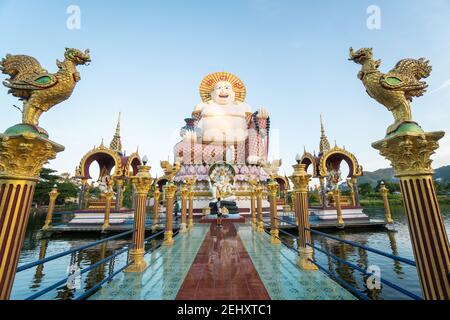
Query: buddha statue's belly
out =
(224, 128)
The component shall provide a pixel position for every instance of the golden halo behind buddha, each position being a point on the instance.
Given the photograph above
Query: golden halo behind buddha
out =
(208, 83)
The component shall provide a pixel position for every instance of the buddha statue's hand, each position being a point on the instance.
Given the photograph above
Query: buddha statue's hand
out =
(263, 113)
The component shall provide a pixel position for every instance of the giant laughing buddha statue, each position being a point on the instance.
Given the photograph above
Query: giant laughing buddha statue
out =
(223, 127)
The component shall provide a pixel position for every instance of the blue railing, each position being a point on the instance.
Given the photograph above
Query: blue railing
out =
(341, 281)
(89, 292)
(93, 266)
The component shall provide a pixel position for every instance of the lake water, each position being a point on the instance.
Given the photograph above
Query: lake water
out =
(397, 243)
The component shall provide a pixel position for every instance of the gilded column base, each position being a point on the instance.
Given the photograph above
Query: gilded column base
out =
(138, 262)
(154, 227)
(254, 224)
(105, 226)
(260, 227)
(340, 221)
(274, 238)
(168, 238)
(183, 228)
(303, 262)
(389, 220)
(191, 223)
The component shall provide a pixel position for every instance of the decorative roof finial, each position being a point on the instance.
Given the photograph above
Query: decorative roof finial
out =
(324, 144)
(116, 143)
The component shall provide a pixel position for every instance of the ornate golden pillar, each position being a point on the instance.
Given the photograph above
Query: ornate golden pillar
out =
(323, 192)
(119, 194)
(272, 186)
(387, 208)
(409, 149)
(108, 196)
(170, 190)
(23, 152)
(184, 195)
(51, 207)
(141, 183)
(156, 195)
(337, 205)
(252, 190)
(191, 209)
(81, 200)
(301, 180)
(356, 191)
(352, 191)
(259, 191)
(190, 184)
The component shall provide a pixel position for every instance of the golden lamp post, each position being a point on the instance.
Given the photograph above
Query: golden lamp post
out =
(259, 192)
(409, 148)
(25, 147)
(170, 189)
(53, 194)
(253, 183)
(156, 195)
(272, 186)
(301, 179)
(108, 196)
(184, 195)
(337, 205)
(141, 182)
(190, 185)
(387, 208)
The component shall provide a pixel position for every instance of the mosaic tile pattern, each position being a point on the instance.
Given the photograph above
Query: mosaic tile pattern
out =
(276, 265)
(222, 270)
(167, 269)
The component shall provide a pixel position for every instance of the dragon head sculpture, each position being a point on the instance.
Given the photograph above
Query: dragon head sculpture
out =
(361, 55)
(77, 56)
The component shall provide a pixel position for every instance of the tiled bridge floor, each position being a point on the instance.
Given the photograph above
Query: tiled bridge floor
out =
(233, 262)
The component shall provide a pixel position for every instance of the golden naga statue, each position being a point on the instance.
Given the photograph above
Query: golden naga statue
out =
(396, 88)
(170, 171)
(38, 89)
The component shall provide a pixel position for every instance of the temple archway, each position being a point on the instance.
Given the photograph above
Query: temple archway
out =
(333, 159)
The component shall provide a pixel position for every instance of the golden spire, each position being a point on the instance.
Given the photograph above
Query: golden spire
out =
(116, 143)
(324, 144)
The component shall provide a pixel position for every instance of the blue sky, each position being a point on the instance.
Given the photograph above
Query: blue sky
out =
(150, 56)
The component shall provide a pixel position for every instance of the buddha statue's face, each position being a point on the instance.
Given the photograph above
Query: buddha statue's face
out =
(223, 93)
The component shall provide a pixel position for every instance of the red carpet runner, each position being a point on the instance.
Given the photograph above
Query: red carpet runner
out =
(222, 270)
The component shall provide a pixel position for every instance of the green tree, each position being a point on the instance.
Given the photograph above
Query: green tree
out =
(365, 188)
(47, 180)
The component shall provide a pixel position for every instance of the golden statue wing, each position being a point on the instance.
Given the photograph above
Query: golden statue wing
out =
(33, 82)
(406, 76)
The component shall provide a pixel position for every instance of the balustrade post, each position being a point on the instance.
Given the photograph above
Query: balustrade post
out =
(170, 190)
(156, 195)
(259, 192)
(387, 208)
(184, 195)
(53, 194)
(300, 179)
(272, 186)
(141, 183)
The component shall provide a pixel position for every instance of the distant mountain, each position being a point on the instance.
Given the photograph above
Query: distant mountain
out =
(443, 173)
(387, 174)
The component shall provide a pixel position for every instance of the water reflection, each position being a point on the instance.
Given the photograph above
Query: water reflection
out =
(396, 242)
(35, 279)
